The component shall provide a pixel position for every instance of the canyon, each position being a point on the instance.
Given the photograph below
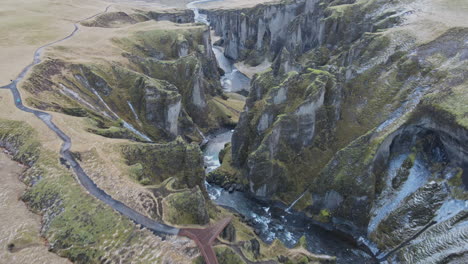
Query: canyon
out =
(329, 131)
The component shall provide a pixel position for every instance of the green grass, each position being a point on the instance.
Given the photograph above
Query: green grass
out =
(75, 224)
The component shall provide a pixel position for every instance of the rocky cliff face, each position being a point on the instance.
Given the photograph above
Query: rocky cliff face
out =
(292, 27)
(284, 120)
(257, 33)
(362, 114)
(117, 19)
(177, 159)
(159, 84)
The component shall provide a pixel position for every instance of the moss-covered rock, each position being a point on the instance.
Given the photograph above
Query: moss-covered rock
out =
(162, 84)
(387, 97)
(186, 208)
(152, 164)
(227, 174)
(279, 124)
(224, 255)
(21, 140)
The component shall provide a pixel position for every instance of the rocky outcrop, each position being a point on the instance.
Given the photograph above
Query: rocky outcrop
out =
(186, 208)
(166, 104)
(176, 16)
(152, 164)
(283, 119)
(261, 31)
(357, 119)
(191, 66)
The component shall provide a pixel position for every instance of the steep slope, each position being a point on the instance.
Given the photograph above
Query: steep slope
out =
(361, 117)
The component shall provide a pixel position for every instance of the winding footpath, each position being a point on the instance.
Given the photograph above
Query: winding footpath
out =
(203, 237)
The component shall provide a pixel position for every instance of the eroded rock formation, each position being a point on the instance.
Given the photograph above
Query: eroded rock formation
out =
(361, 114)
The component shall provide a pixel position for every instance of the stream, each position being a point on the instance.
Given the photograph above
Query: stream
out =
(270, 220)
(233, 81)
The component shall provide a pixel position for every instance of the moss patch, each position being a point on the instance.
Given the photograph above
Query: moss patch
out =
(225, 255)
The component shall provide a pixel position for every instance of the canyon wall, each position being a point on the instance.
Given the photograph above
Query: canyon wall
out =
(358, 116)
(156, 81)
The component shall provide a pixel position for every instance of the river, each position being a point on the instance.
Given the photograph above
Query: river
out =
(232, 80)
(270, 220)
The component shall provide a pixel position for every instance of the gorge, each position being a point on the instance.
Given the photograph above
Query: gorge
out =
(407, 151)
(329, 131)
(278, 223)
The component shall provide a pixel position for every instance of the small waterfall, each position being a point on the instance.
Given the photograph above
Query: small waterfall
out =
(128, 126)
(68, 92)
(205, 140)
(199, 17)
(297, 200)
(233, 80)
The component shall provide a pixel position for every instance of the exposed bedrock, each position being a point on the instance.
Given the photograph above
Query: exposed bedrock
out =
(194, 73)
(363, 123)
(284, 121)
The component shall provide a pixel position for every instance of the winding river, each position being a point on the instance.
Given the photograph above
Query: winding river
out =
(232, 80)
